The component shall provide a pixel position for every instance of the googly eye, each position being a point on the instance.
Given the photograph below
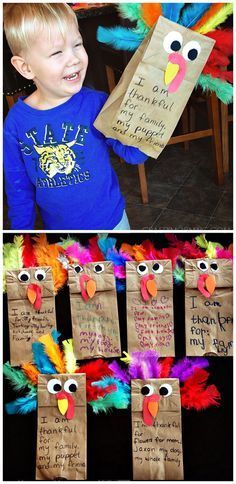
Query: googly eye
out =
(147, 390)
(173, 42)
(24, 276)
(99, 268)
(142, 269)
(40, 275)
(214, 267)
(78, 269)
(157, 268)
(70, 385)
(54, 386)
(191, 50)
(165, 390)
(202, 265)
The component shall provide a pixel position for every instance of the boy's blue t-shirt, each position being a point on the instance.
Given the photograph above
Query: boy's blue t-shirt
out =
(57, 159)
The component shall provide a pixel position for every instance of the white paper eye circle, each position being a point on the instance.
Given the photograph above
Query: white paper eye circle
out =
(70, 385)
(24, 276)
(214, 266)
(99, 268)
(202, 265)
(191, 50)
(147, 390)
(142, 269)
(173, 42)
(157, 268)
(165, 390)
(78, 269)
(40, 275)
(54, 386)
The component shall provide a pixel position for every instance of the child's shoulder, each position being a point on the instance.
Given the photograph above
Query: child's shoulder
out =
(14, 115)
(98, 97)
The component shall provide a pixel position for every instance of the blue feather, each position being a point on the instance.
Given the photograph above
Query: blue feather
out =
(117, 399)
(41, 360)
(116, 258)
(120, 285)
(55, 336)
(120, 38)
(106, 243)
(22, 405)
(192, 13)
(171, 11)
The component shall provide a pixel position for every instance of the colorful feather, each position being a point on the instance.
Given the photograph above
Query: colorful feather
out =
(178, 274)
(222, 89)
(131, 11)
(41, 360)
(31, 372)
(218, 18)
(22, 405)
(119, 399)
(69, 356)
(120, 38)
(192, 13)
(17, 379)
(171, 11)
(94, 250)
(64, 243)
(106, 243)
(195, 394)
(47, 255)
(54, 353)
(78, 253)
(183, 369)
(223, 40)
(120, 285)
(12, 256)
(144, 365)
(215, 7)
(223, 253)
(28, 255)
(119, 372)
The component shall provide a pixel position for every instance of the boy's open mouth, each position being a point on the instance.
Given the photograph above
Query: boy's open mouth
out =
(72, 77)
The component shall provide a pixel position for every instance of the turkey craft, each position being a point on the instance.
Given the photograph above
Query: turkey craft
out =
(95, 320)
(60, 389)
(31, 284)
(158, 390)
(144, 108)
(209, 307)
(149, 301)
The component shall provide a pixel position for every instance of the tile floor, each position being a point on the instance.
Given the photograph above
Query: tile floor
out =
(182, 192)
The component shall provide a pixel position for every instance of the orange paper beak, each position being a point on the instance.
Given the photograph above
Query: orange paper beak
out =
(88, 287)
(206, 284)
(148, 287)
(150, 409)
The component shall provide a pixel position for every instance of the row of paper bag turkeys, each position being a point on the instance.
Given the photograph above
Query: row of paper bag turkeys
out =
(60, 388)
(149, 297)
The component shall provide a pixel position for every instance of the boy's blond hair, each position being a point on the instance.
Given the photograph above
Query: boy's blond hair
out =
(24, 21)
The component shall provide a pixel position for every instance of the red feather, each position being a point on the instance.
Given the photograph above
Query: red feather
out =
(166, 365)
(217, 72)
(28, 255)
(95, 371)
(96, 254)
(223, 40)
(196, 394)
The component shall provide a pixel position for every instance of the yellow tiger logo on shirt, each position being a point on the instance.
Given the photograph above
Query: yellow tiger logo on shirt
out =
(56, 159)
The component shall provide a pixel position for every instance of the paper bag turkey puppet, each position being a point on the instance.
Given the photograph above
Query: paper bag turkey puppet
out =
(94, 312)
(159, 388)
(209, 307)
(149, 302)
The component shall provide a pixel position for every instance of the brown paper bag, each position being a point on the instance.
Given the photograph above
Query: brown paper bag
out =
(61, 442)
(145, 107)
(156, 438)
(94, 312)
(209, 310)
(150, 320)
(27, 324)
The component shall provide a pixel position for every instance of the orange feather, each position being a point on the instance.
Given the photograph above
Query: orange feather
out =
(128, 249)
(31, 372)
(212, 10)
(53, 352)
(47, 255)
(150, 13)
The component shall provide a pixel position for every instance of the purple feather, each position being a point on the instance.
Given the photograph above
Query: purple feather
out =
(185, 368)
(119, 373)
(144, 365)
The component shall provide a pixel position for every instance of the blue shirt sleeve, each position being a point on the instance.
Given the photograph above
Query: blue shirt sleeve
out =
(129, 153)
(19, 189)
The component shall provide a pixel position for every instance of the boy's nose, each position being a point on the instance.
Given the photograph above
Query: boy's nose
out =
(72, 59)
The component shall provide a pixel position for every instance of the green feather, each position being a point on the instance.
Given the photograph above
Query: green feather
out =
(17, 378)
(178, 274)
(222, 89)
(67, 242)
(133, 12)
(12, 256)
(201, 241)
(217, 19)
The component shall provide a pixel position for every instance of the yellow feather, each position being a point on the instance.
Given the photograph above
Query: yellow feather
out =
(127, 359)
(217, 19)
(69, 356)
(54, 353)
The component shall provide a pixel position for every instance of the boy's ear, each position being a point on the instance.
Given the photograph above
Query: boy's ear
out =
(22, 67)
